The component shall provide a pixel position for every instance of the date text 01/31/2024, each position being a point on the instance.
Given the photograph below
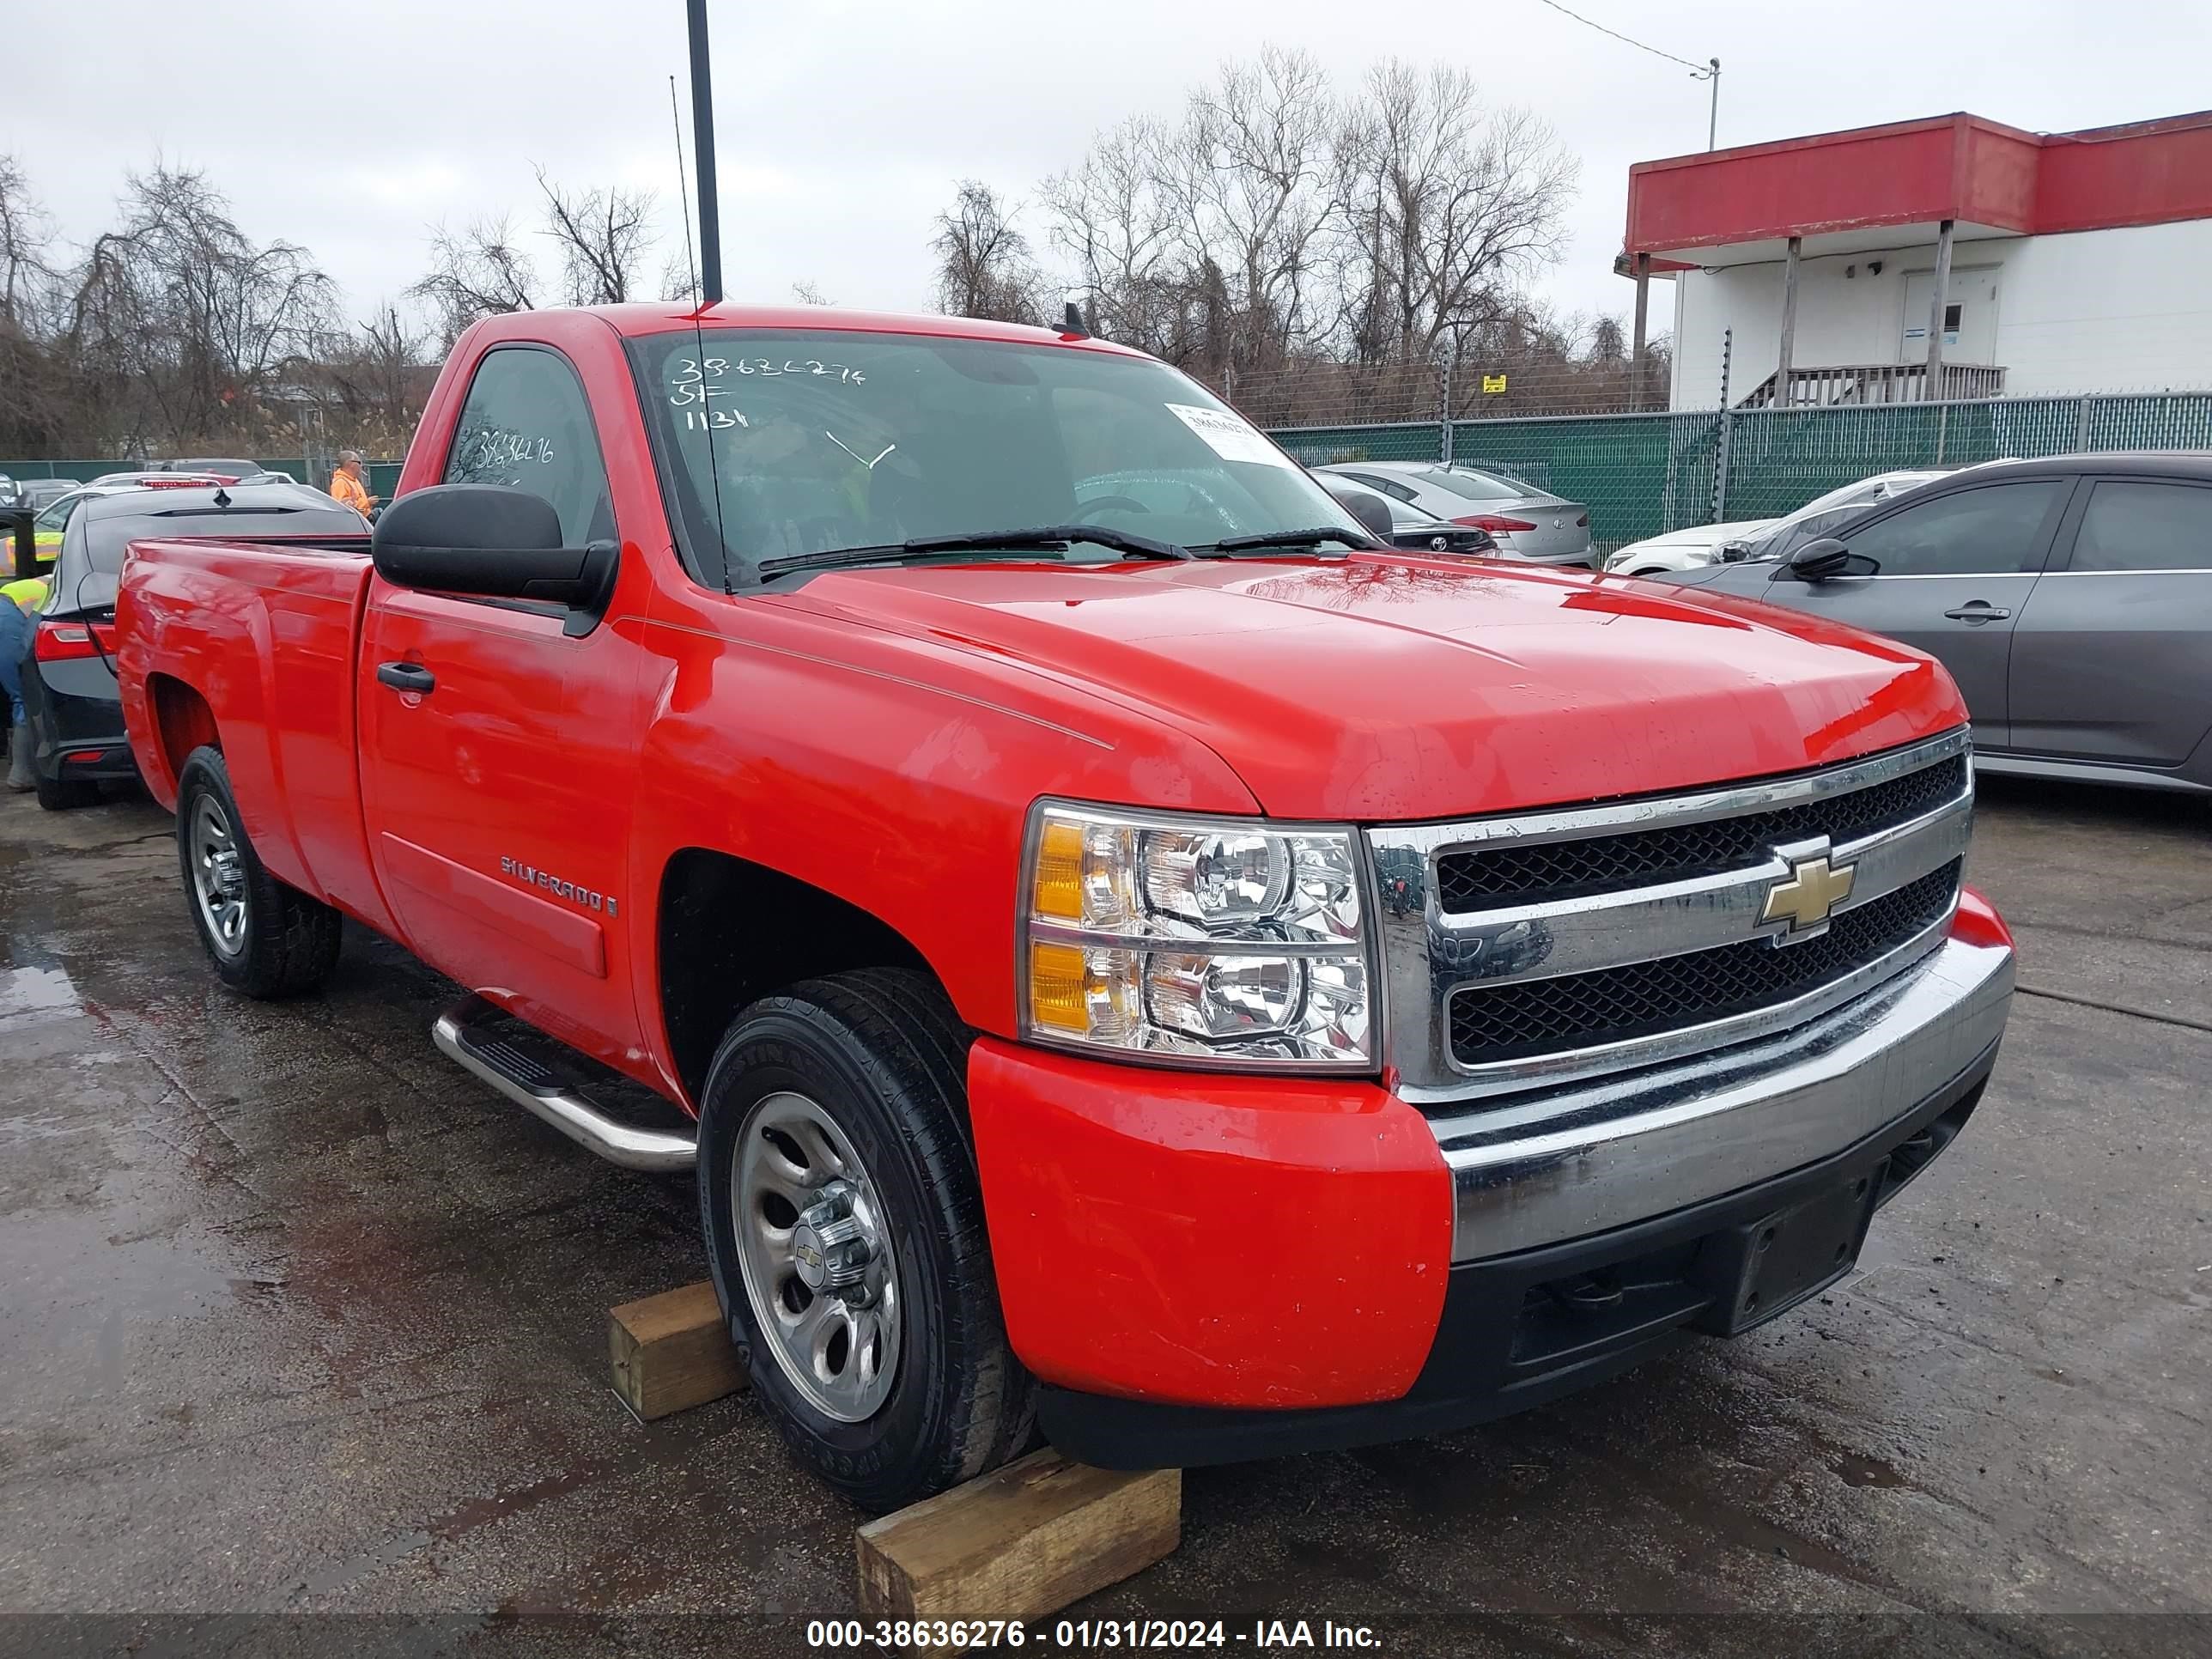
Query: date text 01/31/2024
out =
(1266, 1634)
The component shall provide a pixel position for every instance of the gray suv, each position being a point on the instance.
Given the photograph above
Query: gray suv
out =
(2071, 599)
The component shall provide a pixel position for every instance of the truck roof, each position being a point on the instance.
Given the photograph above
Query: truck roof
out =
(661, 317)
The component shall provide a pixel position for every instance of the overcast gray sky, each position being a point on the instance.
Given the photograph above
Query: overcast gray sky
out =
(845, 124)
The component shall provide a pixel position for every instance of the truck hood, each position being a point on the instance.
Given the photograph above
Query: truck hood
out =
(1373, 689)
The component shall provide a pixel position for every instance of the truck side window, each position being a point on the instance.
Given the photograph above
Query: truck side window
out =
(526, 423)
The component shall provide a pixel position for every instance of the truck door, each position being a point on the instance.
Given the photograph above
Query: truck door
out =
(498, 755)
(1949, 574)
(2111, 662)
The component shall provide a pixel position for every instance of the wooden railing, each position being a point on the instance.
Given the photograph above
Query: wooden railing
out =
(1879, 383)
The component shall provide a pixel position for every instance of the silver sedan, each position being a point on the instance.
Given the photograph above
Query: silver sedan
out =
(2071, 599)
(1530, 525)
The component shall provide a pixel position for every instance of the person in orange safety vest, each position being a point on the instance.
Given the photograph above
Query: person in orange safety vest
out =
(347, 484)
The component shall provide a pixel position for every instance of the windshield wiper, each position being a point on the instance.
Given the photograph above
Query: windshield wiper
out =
(1040, 536)
(1291, 538)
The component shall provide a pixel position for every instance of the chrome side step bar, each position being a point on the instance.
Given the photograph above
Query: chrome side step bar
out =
(524, 1078)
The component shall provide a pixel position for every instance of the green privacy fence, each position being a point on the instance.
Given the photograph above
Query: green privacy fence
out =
(383, 476)
(1641, 475)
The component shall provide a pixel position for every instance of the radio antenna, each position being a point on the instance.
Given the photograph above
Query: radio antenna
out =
(709, 292)
(703, 145)
(682, 190)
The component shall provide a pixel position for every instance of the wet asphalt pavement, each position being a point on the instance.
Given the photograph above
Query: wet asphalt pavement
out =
(299, 1318)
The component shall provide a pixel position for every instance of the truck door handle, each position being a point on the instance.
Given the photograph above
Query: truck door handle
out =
(406, 677)
(1978, 610)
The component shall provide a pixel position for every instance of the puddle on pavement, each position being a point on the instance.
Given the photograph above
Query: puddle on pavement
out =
(37, 991)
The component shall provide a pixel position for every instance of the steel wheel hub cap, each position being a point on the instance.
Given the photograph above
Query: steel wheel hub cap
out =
(218, 876)
(816, 1254)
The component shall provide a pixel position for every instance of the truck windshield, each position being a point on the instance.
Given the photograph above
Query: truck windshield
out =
(789, 443)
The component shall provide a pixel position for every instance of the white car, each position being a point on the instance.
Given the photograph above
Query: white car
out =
(1697, 545)
(1681, 549)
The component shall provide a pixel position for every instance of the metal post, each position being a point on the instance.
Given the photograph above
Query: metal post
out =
(702, 146)
(1636, 366)
(1782, 390)
(1713, 121)
(2081, 425)
(1936, 306)
(1446, 434)
(1727, 438)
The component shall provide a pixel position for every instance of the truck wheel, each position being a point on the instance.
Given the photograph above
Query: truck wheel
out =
(844, 1228)
(265, 939)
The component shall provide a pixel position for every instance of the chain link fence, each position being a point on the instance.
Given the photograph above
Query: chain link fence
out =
(1643, 475)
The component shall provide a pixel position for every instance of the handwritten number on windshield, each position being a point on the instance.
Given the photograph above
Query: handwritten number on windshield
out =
(692, 382)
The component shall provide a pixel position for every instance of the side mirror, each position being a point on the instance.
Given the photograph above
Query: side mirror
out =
(1373, 515)
(1822, 558)
(494, 542)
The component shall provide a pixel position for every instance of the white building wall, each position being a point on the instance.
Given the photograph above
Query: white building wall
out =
(2095, 311)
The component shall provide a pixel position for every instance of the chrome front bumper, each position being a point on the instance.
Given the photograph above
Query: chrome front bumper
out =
(1576, 1160)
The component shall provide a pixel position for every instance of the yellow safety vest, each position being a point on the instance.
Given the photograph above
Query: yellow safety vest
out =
(29, 594)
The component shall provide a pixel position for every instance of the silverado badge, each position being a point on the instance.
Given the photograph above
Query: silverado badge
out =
(1809, 893)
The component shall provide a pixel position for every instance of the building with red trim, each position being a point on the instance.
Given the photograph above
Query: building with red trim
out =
(2067, 262)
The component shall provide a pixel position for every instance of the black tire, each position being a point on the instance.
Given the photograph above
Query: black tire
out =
(883, 1053)
(65, 795)
(288, 943)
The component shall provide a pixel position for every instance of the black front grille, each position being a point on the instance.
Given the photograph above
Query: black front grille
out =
(1616, 1005)
(1492, 876)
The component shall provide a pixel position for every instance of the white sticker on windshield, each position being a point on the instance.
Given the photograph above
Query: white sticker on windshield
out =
(1229, 436)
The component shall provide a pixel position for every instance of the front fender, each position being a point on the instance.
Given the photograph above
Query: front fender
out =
(895, 772)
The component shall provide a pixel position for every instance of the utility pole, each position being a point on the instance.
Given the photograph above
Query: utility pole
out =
(1713, 120)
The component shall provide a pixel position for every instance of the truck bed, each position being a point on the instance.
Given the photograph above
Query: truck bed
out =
(267, 632)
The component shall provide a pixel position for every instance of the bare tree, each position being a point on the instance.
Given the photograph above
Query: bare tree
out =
(477, 272)
(983, 264)
(1447, 204)
(34, 406)
(603, 236)
(26, 235)
(182, 318)
(809, 293)
(379, 379)
(1250, 166)
(1113, 219)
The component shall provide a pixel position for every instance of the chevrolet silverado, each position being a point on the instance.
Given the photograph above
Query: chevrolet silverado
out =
(1125, 953)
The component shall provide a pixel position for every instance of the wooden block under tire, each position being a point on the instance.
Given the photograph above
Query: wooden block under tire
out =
(672, 1352)
(1019, 1543)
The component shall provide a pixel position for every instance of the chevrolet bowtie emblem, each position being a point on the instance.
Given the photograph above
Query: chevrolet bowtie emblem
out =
(1811, 890)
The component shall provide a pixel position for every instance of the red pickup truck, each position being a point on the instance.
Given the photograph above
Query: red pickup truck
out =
(1135, 956)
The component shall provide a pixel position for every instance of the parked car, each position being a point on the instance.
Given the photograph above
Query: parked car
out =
(228, 470)
(160, 478)
(1526, 523)
(2071, 599)
(69, 696)
(1404, 527)
(40, 494)
(1704, 545)
(1686, 548)
(1135, 953)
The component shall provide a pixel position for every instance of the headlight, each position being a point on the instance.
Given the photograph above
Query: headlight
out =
(1230, 940)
